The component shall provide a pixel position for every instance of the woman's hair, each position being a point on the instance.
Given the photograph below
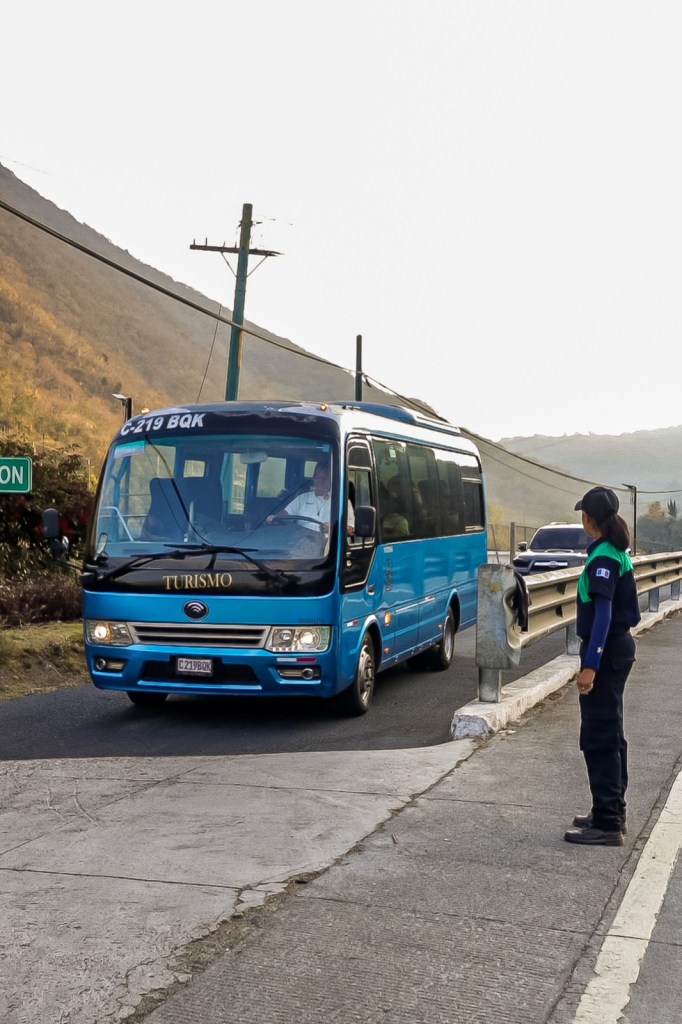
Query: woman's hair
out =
(615, 530)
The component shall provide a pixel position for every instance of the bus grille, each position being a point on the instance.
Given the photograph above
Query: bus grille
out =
(198, 634)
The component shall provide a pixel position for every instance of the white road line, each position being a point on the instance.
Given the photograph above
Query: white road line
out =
(620, 958)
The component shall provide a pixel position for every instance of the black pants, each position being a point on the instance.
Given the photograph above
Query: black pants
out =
(602, 739)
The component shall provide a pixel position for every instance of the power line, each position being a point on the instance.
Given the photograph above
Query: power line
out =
(219, 318)
(157, 287)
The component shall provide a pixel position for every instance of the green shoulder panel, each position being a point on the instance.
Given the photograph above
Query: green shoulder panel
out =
(603, 550)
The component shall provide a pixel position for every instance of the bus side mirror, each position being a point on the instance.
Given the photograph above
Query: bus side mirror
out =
(365, 521)
(57, 544)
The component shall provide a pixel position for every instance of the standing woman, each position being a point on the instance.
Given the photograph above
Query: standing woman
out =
(607, 608)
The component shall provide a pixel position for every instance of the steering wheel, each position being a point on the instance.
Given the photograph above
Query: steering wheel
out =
(295, 519)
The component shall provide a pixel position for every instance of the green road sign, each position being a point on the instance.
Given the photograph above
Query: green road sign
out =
(15, 476)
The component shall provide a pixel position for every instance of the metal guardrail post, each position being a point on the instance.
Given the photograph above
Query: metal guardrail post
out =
(572, 640)
(497, 644)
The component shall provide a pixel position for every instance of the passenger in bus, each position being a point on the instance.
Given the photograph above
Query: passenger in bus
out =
(425, 509)
(350, 514)
(394, 525)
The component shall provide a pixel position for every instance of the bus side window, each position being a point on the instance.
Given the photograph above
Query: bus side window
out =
(359, 493)
(395, 510)
(450, 487)
(424, 477)
(359, 488)
(472, 493)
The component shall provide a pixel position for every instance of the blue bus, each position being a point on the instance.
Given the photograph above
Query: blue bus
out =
(280, 548)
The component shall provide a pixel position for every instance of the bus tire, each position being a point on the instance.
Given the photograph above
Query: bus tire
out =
(440, 657)
(358, 697)
(146, 700)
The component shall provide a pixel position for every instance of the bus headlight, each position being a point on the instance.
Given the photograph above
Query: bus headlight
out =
(298, 639)
(101, 631)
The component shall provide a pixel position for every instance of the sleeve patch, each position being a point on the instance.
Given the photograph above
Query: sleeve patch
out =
(604, 573)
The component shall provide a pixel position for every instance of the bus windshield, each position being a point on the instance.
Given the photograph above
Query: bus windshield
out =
(274, 497)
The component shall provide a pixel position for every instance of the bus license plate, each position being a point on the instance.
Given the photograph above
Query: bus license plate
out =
(194, 666)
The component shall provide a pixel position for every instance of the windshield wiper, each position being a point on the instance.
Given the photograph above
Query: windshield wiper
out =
(94, 575)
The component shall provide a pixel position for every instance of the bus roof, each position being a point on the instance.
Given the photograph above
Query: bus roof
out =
(347, 413)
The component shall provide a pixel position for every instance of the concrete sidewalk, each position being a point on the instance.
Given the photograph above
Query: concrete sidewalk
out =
(121, 878)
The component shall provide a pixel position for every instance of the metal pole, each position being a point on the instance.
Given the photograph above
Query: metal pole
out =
(235, 352)
(358, 368)
(633, 498)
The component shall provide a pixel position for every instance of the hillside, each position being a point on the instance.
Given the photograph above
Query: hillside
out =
(543, 476)
(648, 458)
(74, 330)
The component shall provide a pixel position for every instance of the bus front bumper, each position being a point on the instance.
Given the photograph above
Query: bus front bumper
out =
(214, 672)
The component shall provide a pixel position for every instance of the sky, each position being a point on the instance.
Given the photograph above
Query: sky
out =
(489, 192)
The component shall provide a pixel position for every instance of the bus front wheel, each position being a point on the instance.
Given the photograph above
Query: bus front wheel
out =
(358, 697)
(146, 700)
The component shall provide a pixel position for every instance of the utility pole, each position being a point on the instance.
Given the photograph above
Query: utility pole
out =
(633, 500)
(243, 252)
(358, 368)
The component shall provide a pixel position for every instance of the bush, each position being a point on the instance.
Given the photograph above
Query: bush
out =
(45, 599)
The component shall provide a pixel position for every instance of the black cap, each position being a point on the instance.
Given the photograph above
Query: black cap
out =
(599, 504)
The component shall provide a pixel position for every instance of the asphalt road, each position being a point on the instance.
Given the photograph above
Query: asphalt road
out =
(410, 709)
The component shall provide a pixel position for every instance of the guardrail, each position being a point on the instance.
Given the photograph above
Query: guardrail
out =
(516, 611)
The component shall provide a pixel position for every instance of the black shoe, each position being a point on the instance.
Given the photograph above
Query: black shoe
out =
(591, 836)
(585, 821)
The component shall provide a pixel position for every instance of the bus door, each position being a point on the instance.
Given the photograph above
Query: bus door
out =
(361, 580)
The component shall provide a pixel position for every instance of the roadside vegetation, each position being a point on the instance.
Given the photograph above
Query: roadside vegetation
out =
(40, 658)
(41, 646)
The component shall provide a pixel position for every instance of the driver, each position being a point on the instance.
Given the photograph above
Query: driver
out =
(314, 504)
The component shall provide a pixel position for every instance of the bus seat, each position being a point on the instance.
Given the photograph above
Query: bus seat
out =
(204, 495)
(258, 509)
(166, 518)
